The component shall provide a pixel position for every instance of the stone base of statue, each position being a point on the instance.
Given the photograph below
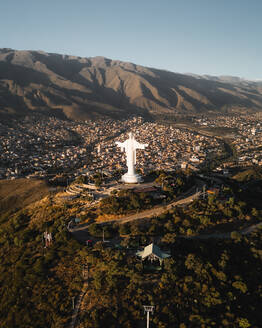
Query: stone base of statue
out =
(131, 178)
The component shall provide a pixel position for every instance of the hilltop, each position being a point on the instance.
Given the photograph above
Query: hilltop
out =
(88, 88)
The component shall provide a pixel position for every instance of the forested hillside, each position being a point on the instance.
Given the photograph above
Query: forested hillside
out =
(207, 282)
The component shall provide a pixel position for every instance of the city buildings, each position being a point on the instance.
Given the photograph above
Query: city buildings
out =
(41, 146)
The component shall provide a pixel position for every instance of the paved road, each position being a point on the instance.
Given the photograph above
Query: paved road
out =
(225, 235)
(157, 210)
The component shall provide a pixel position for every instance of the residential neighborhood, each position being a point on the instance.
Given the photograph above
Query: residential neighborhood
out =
(244, 133)
(40, 146)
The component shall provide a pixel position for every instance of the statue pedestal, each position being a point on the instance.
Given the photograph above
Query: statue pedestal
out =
(131, 178)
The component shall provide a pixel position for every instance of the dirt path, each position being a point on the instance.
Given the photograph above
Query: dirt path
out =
(80, 297)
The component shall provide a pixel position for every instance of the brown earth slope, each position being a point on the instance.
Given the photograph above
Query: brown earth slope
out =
(17, 194)
(83, 88)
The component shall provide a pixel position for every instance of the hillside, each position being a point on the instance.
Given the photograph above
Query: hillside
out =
(17, 194)
(84, 88)
(252, 174)
(205, 282)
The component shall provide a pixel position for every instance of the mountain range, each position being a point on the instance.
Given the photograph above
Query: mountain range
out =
(95, 87)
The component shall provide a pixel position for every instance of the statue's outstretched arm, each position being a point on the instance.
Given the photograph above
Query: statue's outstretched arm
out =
(121, 144)
(140, 146)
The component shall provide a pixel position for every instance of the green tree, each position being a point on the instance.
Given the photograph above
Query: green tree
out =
(243, 323)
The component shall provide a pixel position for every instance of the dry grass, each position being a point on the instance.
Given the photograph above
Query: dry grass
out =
(17, 194)
(107, 217)
(247, 175)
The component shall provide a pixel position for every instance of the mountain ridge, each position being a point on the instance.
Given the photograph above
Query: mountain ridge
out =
(93, 87)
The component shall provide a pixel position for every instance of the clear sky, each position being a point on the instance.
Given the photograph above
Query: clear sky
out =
(216, 37)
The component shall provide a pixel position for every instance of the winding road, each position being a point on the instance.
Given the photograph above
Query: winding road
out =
(156, 210)
(81, 231)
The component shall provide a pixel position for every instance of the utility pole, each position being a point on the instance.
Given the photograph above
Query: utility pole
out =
(148, 309)
(84, 271)
(204, 191)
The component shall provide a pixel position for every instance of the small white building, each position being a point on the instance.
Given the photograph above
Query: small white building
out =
(152, 253)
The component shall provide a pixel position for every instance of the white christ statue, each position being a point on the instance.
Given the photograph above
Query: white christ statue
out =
(130, 146)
